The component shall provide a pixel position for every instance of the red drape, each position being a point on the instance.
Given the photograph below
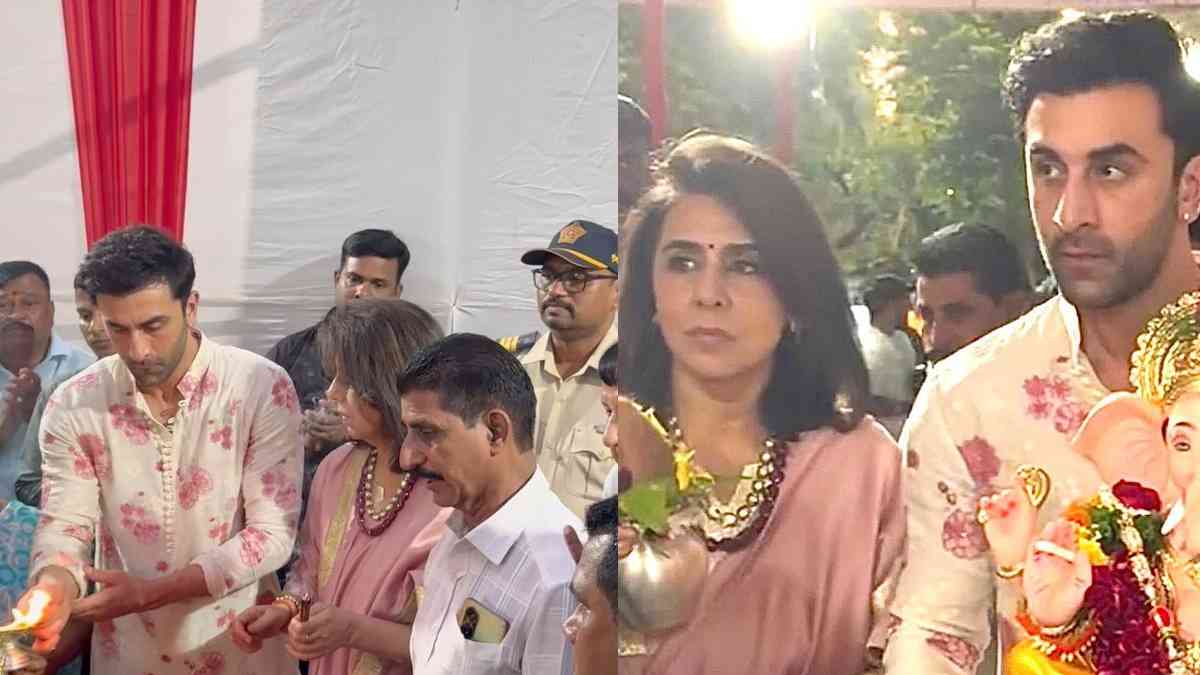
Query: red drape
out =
(654, 77)
(131, 89)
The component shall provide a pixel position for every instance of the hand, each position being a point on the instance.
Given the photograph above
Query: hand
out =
(627, 538)
(122, 594)
(1009, 522)
(573, 544)
(257, 624)
(21, 394)
(55, 615)
(328, 628)
(323, 425)
(1055, 587)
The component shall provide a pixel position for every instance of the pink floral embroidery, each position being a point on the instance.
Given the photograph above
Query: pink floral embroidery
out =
(141, 523)
(960, 652)
(108, 548)
(223, 436)
(97, 453)
(1035, 387)
(962, 536)
(130, 421)
(219, 533)
(276, 485)
(194, 483)
(211, 663)
(207, 385)
(85, 381)
(234, 407)
(162, 566)
(108, 639)
(78, 532)
(283, 394)
(1039, 409)
(226, 619)
(1069, 417)
(981, 459)
(253, 546)
(1050, 398)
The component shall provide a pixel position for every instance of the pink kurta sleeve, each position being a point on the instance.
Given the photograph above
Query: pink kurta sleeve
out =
(273, 463)
(946, 592)
(72, 465)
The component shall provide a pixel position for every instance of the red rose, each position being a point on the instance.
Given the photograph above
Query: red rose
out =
(1136, 496)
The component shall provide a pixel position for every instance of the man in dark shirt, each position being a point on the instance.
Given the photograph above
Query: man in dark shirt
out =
(373, 262)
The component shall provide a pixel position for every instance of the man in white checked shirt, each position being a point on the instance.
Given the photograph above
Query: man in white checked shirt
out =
(497, 586)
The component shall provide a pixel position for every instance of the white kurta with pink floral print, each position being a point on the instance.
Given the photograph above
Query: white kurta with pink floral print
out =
(1016, 396)
(218, 489)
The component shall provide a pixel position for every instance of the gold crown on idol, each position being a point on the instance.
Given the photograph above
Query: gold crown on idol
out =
(1167, 360)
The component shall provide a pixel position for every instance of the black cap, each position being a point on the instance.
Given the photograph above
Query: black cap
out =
(581, 243)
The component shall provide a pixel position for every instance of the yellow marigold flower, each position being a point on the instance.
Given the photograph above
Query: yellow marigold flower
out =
(1078, 513)
(1090, 547)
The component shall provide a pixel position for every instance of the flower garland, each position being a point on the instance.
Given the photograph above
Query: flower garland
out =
(1121, 533)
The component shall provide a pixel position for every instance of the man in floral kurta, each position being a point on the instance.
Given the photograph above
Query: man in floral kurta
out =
(1112, 188)
(174, 470)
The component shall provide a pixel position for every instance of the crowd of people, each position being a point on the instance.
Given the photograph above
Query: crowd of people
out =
(372, 496)
(806, 485)
(832, 546)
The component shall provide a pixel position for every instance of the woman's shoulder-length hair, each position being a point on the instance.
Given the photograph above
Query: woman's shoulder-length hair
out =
(819, 377)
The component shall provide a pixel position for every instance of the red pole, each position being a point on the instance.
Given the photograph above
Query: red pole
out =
(654, 79)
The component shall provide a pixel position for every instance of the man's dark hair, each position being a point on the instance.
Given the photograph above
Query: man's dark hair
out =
(473, 374)
(135, 257)
(1093, 51)
(601, 520)
(632, 120)
(18, 268)
(608, 366)
(375, 243)
(884, 289)
(982, 250)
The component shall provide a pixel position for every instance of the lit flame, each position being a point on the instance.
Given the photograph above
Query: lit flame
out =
(38, 601)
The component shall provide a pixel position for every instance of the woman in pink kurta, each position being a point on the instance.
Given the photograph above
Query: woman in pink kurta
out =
(749, 355)
(360, 558)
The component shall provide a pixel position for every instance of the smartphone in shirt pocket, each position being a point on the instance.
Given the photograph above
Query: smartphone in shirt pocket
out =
(480, 624)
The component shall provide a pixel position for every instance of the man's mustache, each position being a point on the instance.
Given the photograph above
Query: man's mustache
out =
(426, 474)
(554, 303)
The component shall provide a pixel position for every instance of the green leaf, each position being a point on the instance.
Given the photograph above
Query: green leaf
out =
(647, 505)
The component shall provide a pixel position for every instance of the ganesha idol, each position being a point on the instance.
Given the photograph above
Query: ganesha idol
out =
(1113, 584)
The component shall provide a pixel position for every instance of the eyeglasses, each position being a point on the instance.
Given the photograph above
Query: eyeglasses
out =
(573, 281)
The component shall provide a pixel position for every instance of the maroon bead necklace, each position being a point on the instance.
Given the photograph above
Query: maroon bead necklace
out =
(398, 500)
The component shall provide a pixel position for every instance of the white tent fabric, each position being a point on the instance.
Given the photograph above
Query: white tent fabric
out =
(473, 129)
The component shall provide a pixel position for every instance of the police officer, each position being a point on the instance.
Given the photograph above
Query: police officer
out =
(576, 281)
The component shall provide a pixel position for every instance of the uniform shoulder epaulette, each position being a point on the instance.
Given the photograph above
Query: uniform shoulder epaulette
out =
(519, 344)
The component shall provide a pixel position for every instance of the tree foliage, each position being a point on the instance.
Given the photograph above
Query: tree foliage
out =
(900, 128)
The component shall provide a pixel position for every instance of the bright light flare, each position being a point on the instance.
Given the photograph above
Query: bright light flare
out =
(38, 601)
(1070, 14)
(1191, 60)
(769, 24)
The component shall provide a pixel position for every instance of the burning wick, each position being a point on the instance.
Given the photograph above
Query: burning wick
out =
(38, 601)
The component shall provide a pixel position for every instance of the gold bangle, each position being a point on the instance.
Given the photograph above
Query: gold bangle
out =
(1010, 571)
(287, 601)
